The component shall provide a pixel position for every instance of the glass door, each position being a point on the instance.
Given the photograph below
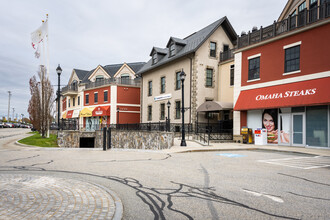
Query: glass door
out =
(284, 129)
(298, 129)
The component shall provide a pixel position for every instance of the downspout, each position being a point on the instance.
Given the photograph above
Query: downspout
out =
(190, 89)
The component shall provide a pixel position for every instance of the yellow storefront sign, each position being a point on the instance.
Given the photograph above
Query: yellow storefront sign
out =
(86, 112)
(64, 115)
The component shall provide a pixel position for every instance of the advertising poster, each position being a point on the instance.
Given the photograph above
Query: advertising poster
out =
(270, 123)
(277, 127)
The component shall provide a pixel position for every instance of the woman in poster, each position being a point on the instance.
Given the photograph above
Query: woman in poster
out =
(269, 121)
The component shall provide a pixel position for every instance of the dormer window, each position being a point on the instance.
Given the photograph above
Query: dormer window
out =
(172, 49)
(154, 58)
(99, 78)
(74, 84)
(124, 78)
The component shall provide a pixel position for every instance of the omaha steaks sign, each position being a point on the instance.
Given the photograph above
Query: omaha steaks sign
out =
(287, 94)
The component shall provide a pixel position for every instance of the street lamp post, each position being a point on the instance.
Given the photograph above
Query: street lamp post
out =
(59, 71)
(182, 77)
(168, 113)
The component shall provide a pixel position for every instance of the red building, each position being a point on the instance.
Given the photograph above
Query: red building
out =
(282, 77)
(105, 95)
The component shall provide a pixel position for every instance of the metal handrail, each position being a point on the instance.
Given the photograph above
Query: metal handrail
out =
(302, 19)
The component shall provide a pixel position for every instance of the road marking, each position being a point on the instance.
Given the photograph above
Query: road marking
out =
(301, 162)
(231, 155)
(259, 194)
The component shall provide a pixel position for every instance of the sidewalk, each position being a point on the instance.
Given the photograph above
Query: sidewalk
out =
(193, 146)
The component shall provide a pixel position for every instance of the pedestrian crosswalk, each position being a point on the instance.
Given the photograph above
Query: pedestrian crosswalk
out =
(301, 162)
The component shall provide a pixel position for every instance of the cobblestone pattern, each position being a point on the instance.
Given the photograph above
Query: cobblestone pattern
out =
(42, 197)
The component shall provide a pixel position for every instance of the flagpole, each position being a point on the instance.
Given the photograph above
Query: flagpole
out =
(47, 48)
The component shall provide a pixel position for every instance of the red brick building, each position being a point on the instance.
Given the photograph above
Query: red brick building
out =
(282, 77)
(105, 95)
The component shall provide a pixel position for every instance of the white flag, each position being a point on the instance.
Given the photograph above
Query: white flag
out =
(38, 35)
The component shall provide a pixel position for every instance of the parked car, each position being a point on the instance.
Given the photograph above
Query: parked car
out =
(9, 125)
(2, 124)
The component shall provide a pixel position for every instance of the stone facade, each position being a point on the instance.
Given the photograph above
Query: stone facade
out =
(142, 140)
(119, 139)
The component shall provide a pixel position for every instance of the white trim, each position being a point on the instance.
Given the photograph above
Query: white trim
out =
(94, 106)
(292, 45)
(96, 92)
(252, 80)
(113, 101)
(288, 80)
(123, 111)
(293, 72)
(254, 56)
(95, 71)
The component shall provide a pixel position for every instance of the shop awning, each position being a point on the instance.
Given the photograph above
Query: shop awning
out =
(86, 112)
(101, 111)
(212, 106)
(69, 114)
(64, 115)
(310, 92)
(75, 113)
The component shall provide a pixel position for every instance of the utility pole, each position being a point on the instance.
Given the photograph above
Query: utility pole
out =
(9, 93)
(13, 114)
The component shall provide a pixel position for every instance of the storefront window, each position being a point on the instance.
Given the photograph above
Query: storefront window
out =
(317, 126)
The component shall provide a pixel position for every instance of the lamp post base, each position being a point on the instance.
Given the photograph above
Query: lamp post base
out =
(183, 143)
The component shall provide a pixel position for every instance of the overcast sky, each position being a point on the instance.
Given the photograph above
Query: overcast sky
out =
(85, 33)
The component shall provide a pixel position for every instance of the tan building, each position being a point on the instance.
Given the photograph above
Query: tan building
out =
(207, 79)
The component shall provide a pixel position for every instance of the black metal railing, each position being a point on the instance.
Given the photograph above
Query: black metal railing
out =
(122, 81)
(209, 131)
(227, 55)
(302, 19)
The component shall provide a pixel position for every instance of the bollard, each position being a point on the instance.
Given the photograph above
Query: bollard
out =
(109, 138)
(104, 138)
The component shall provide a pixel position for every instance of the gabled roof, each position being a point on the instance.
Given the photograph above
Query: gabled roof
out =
(285, 10)
(113, 69)
(193, 42)
(176, 40)
(159, 50)
(81, 73)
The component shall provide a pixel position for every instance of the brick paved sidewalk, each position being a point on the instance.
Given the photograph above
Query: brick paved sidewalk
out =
(44, 197)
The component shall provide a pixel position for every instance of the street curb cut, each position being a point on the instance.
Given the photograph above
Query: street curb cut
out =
(119, 209)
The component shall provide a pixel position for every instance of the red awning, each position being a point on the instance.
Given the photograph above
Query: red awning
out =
(101, 111)
(310, 92)
(69, 114)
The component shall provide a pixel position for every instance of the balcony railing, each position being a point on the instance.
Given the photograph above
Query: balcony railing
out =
(70, 88)
(122, 81)
(302, 19)
(226, 55)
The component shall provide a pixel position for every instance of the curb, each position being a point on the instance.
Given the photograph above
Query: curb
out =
(119, 208)
(242, 149)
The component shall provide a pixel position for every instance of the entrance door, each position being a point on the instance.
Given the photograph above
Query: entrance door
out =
(284, 129)
(298, 129)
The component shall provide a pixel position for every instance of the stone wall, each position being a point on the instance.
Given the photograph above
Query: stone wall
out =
(153, 140)
(119, 139)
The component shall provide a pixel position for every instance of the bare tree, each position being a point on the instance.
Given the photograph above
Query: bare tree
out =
(40, 105)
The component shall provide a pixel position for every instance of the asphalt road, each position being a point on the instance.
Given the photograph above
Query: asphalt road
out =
(203, 185)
